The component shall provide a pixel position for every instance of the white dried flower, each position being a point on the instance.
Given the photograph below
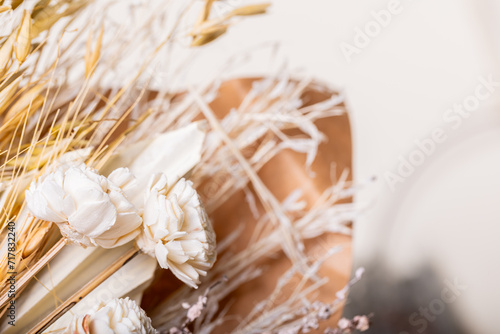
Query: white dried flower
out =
(90, 209)
(177, 230)
(118, 316)
(363, 322)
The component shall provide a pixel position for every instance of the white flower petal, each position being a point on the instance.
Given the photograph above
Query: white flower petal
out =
(125, 221)
(84, 185)
(161, 253)
(39, 207)
(186, 273)
(93, 218)
(125, 180)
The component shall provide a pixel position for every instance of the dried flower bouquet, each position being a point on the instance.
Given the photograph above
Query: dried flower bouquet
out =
(113, 182)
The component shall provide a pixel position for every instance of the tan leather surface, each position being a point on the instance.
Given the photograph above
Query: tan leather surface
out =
(282, 175)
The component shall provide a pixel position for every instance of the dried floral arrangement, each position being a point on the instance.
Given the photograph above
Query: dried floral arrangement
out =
(115, 185)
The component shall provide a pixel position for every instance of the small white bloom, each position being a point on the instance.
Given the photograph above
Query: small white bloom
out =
(118, 316)
(90, 209)
(177, 230)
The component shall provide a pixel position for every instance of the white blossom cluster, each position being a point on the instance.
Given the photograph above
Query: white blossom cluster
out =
(93, 210)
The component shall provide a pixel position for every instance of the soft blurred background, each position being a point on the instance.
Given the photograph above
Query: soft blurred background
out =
(425, 108)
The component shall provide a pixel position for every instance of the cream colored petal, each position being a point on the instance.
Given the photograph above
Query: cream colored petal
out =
(82, 189)
(57, 201)
(120, 201)
(192, 248)
(176, 252)
(93, 218)
(151, 211)
(101, 325)
(125, 180)
(146, 243)
(39, 207)
(161, 254)
(126, 222)
(175, 215)
(117, 242)
(157, 182)
(186, 274)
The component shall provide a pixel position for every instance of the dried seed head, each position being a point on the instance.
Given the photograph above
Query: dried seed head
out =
(6, 53)
(206, 30)
(40, 6)
(209, 35)
(29, 99)
(250, 10)
(23, 38)
(34, 242)
(7, 93)
(92, 56)
(52, 14)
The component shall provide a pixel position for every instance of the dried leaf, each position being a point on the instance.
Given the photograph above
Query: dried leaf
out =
(4, 8)
(23, 39)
